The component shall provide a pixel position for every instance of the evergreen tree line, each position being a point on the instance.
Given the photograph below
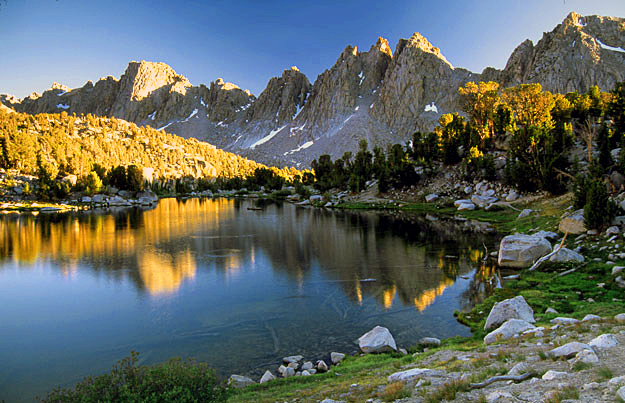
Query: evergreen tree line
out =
(536, 129)
(107, 151)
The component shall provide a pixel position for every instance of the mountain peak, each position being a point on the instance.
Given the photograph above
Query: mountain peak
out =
(226, 86)
(57, 86)
(141, 78)
(420, 42)
(382, 46)
(573, 18)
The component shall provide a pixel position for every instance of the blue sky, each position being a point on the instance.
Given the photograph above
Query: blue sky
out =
(248, 42)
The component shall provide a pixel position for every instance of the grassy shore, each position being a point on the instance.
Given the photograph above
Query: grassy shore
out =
(573, 295)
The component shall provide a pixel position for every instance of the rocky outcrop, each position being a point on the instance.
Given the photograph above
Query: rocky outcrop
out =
(336, 90)
(522, 250)
(578, 53)
(513, 308)
(419, 85)
(282, 99)
(224, 100)
(509, 329)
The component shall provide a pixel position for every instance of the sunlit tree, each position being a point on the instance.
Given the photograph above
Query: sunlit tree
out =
(479, 102)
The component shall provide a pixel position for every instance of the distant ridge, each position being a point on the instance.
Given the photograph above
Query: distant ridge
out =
(378, 95)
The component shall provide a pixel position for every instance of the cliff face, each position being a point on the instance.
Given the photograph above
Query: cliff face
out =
(578, 53)
(378, 95)
(419, 85)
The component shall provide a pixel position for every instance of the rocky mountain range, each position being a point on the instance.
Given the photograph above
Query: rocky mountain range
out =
(379, 95)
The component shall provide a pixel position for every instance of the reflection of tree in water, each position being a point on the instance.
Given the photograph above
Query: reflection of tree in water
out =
(409, 257)
(483, 283)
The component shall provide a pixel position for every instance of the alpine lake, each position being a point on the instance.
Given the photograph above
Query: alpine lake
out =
(236, 283)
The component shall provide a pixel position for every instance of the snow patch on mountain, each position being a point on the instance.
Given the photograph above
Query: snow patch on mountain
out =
(267, 138)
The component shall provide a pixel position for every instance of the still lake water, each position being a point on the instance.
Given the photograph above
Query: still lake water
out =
(212, 280)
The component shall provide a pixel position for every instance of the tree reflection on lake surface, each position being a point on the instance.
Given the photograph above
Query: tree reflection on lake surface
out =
(213, 280)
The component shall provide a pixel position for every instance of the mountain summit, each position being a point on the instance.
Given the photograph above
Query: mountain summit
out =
(378, 95)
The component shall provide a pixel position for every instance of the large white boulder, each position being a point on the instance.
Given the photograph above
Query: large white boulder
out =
(604, 341)
(377, 340)
(569, 349)
(574, 223)
(267, 376)
(508, 330)
(513, 308)
(483, 201)
(522, 250)
(414, 373)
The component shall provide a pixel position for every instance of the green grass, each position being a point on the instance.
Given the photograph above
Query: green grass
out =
(370, 369)
(173, 381)
(604, 374)
(580, 366)
(394, 391)
(447, 392)
(569, 392)
(545, 288)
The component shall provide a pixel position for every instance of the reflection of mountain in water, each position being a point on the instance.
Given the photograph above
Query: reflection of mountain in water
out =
(408, 257)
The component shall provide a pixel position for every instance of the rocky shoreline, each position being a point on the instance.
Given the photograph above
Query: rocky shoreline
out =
(567, 359)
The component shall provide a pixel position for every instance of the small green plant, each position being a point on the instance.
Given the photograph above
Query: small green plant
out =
(93, 183)
(605, 373)
(448, 391)
(580, 366)
(569, 392)
(173, 381)
(394, 391)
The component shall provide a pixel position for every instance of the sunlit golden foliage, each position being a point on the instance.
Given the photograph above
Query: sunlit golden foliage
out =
(73, 144)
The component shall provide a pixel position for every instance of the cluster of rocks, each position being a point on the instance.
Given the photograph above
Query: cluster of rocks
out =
(293, 365)
(121, 198)
(570, 353)
(15, 186)
(522, 250)
(574, 359)
(483, 195)
(377, 340)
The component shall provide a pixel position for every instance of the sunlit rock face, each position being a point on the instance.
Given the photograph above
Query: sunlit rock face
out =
(282, 99)
(418, 87)
(377, 95)
(580, 52)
